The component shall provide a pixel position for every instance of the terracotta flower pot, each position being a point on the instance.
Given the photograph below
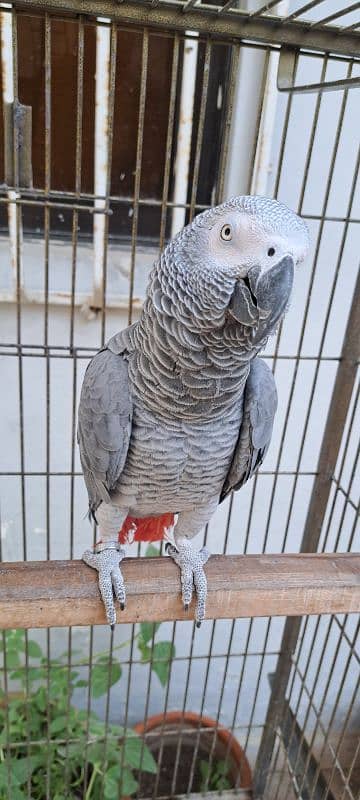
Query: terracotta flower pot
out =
(175, 724)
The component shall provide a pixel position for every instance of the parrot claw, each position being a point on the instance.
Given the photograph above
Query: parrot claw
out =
(191, 563)
(106, 560)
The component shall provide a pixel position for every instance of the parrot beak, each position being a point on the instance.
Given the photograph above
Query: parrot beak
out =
(274, 289)
(261, 299)
(243, 306)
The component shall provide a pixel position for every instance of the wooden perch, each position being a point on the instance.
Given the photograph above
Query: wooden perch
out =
(42, 594)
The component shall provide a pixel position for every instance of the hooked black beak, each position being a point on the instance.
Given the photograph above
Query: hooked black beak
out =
(249, 285)
(243, 306)
(261, 299)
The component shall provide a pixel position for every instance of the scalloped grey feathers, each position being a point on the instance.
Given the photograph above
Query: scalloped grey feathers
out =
(177, 410)
(104, 424)
(260, 404)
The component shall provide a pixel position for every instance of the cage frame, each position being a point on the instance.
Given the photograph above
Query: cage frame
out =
(234, 27)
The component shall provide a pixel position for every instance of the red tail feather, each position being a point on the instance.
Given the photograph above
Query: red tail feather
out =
(145, 529)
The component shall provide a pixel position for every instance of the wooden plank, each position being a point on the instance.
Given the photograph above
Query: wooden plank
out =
(42, 594)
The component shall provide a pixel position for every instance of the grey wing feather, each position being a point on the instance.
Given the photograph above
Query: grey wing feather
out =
(259, 408)
(104, 424)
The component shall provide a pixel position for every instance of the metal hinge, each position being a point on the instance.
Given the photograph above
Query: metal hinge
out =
(17, 145)
(287, 70)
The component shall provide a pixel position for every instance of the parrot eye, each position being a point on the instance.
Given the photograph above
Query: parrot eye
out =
(225, 233)
(271, 251)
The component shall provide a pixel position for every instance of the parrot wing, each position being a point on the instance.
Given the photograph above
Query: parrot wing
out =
(104, 424)
(259, 407)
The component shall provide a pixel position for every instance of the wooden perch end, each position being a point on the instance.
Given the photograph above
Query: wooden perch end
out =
(42, 594)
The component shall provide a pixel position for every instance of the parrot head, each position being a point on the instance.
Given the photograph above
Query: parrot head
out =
(244, 252)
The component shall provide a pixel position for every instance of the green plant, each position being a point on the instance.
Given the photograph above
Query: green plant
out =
(44, 738)
(215, 776)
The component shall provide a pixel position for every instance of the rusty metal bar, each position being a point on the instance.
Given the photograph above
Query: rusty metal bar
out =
(339, 406)
(235, 24)
(17, 125)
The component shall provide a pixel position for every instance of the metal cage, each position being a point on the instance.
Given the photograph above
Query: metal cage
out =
(243, 105)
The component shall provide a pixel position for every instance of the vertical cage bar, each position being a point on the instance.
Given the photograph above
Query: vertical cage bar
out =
(47, 68)
(311, 645)
(169, 139)
(102, 99)
(262, 158)
(200, 131)
(75, 222)
(339, 127)
(230, 107)
(333, 712)
(110, 131)
(78, 157)
(139, 153)
(339, 406)
(9, 92)
(185, 129)
(314, 126)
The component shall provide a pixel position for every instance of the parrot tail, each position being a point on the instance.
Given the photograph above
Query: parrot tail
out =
(146, 529)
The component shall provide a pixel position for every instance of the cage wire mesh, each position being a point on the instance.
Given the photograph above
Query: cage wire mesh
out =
(76, 248)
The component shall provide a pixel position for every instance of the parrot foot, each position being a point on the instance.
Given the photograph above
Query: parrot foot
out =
(106, 560)
(191, 563)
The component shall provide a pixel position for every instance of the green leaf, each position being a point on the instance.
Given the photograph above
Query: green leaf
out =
(40, 699)
(116, 730)
(222, 767)
(148, 630)
(111, 784)
(128, 783)
(21, 768)
(138, 756)
(204, 770)
(95, 753)
(163, 652)
(37, 673)
(116, 779)
(12, 659)
(74, 751)
(80, 684)
(58, 724)
(18, 674)
(144, 650)
(102, 677)
(15, 640)
(18, 794)
(152, 551)
(4, 773)
(34, 649)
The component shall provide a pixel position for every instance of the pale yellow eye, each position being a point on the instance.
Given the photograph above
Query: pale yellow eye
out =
(226, 233)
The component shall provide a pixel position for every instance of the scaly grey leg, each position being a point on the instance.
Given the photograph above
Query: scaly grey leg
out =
(106, 560)
(107, 556)
(191, 563)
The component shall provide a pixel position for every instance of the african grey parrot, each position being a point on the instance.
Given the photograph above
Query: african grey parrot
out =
(177, 410)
